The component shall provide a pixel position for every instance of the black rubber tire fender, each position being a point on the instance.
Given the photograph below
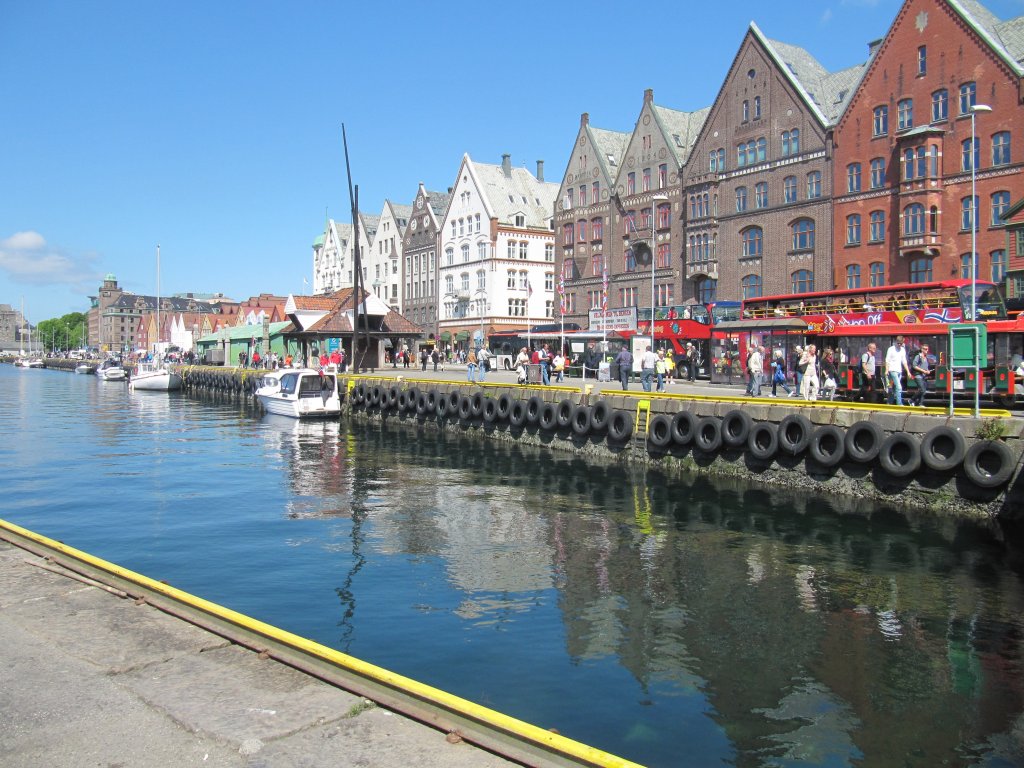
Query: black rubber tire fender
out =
(659, 431)
(403, 401)
(735, 428)
(432, 401)
(393, 397)
(900, 455)
(828, 445)
(795, 434)
(763, 441)
(412, 397)
(564, 414)
(376, 395)
(708, 434)
(421, 404)
(490, 411)
(600, 413)
(517, 414)
(442, 407)
(476, 405)
(453, 403)
(533, 408)
(360, 393)
(548, 417)
(863, 441)
(581, 420)
(943, 449)
(505, 402)
(465, 407)
(684, 427)
(989, 463)
(620, 427)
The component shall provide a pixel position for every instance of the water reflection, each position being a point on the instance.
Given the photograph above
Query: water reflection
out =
(813, 631)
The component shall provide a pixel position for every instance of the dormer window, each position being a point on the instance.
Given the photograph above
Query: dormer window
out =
(520, 220)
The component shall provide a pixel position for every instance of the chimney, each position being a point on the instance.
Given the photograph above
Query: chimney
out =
(506, 165)
(648, 95)
(873, 46)
(584, 119)
(540, 170)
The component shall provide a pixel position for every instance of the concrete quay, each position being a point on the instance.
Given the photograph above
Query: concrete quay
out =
(91, 679)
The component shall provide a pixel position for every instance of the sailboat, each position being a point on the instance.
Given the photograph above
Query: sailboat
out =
(157, 375)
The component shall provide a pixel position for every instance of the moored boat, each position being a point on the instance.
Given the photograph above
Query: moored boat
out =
(154, 377)
(111, 370)
(301, 394)
(86, 368)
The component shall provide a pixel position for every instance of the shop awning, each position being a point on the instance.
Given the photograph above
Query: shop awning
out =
(446, 336)
(462, 336)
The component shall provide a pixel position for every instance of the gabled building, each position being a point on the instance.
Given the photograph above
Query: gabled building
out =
(334, 254)
(583, 211)
(905, 156)
(758, 186)
(1013, 221)
(419, 254)
(385, 257)
(497, 252)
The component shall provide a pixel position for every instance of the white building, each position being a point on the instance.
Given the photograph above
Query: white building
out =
(333, 254)
(497, 252)
(384, 262)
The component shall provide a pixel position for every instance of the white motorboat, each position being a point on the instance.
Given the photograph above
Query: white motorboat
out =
(302, 393)
(86, 368)
(154, 377)
(111, 370)
(35, 362)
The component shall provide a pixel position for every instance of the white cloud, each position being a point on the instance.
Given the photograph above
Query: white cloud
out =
(26, 257)
(826, 17)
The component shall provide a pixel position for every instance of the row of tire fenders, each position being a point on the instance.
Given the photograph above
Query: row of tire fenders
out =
(986, 463)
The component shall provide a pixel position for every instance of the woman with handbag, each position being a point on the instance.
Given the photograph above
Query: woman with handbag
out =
(779, 374)
(809, 380)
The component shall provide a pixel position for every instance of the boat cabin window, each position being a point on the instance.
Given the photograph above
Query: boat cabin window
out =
(288, 382)
(315, 385)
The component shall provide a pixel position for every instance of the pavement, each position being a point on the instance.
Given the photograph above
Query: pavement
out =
(91, 679)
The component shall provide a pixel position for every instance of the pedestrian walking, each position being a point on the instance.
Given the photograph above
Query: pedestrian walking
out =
(808, 367)
(779, 374)
(895, 366)
(921, 368)
(647, 362)
(625, 362)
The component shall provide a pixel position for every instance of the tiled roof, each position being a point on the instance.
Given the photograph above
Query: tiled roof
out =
(439, 202)
(1006, 38)
(520, 192)
(403, 212)
(131, 301)
(337, 320)
(315, 303)
(1012, 34)
(610, 146)
(681, 129)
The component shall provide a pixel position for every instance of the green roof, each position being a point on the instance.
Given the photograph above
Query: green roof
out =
(319, 241)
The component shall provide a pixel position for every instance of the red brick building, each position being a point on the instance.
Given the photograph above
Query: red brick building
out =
(904, 156)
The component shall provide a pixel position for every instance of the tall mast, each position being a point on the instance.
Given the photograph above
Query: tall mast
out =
(157, 348)
(357, 283)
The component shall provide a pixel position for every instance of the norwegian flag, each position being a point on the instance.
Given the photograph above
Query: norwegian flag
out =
(561, 292)
(604, 289)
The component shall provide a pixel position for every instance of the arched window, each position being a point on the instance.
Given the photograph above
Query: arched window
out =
(853, 276)
(853, 229)
(969, 151)
(465, 252)
(803, 235)
(803, 281)
(940, 105)
(664, 215)
(751, 285)
(965, 267)
(921, 270)
(913, 219)
(753, 242)
(707, 290)
(877, 274)
(877, 227)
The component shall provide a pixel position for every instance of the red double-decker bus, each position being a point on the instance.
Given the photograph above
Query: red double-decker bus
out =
(847, 320)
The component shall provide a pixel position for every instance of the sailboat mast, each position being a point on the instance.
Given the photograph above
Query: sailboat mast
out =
(156, 350)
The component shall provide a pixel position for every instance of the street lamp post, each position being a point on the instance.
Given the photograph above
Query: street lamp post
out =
(654, 199)
(481, 293)
(975, 155)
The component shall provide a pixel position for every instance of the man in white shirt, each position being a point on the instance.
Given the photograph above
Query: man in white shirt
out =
(755, 367)
(647, 363)
(895, 366)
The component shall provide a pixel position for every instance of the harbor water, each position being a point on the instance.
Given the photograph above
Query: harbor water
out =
(669, 621)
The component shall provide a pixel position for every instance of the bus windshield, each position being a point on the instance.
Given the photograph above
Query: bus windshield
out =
(989, 300)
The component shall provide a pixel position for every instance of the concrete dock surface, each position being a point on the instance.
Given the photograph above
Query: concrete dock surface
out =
(91, 679)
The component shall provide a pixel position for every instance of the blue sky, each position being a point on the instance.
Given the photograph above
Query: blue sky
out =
(214, 129)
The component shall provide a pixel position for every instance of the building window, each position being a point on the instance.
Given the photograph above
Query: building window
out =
(481, 250)
(757, 107)
(1001, 148)
(802, 281)
(853, 177)
(922, 60)
(595, 192)
(803, 235)
(581, 231)
(523, 249)
(707, 290)
(789, 189)
(998, 259)
(877, 274)
(449, 284)
(1000, 205)
(628, 297)
(753, 242)
(568, 236)
(853, 276)
(629, 260)
(646, 218)
(631, 183)
(597, 228)
(905, 114)
(853, 229)
(662, 175)
(449, 255)
(878, 173)
(965, 267)
(511, 282)
(969, 154)
(664, 216)
(751, 285)
(745, 112)
(549, 281)
(914, 161)
(880, 124)
(741, 199)
(921, 270)
(629, 223)
(968, 97)
(761, 194)
(940, 105)
(663, 258)
(716, 160)
(813, 185)
(913, 219)
(967, 213)
(877, 226)
(549, 252)
(646, 183)
(791, 142)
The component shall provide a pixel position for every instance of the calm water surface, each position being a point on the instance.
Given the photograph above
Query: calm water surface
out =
(695, 622)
